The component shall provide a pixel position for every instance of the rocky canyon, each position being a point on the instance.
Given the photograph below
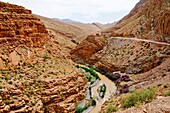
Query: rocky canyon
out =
(51, 66)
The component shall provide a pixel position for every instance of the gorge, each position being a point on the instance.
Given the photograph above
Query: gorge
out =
(51, 66)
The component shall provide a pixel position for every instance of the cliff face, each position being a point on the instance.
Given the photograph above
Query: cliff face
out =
(18, 25)
(146, 62)
(118, 54)
(149, 19)
(35, 74)
(88, 47)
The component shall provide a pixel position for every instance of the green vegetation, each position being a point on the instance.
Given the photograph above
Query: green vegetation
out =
(93, 102)
(6, 78)
(91, 76)
(167, 93)
(111, 109)
(46, 107)
(80, 109)
(12, 101)
(9, 101)
(90, 70)
(138, 97)
(46, 57)
(101, 90)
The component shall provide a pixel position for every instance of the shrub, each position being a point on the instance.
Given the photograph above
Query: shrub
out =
(102, 90)
(90, 70)
(93, 102)
(9, 101)
(167, 93)
(111, 109)
(89, 77)
(46, 107)
(46, 57)
(12, 101)
(10, 82)
(6, 78)
(79, 110)
(138, 97)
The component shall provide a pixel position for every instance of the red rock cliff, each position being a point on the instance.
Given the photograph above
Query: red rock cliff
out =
(149, 19)
(17, 24)
(88, 47)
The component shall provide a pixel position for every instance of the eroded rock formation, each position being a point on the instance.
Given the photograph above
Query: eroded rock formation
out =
(150, 19)
(18, 25)
(91, 45)
(35, 74)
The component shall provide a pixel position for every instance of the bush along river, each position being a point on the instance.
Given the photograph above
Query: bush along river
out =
(99, 90)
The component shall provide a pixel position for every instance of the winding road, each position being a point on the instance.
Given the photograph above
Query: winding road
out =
(142, 40)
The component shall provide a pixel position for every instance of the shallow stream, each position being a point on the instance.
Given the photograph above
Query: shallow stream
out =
(110, 91)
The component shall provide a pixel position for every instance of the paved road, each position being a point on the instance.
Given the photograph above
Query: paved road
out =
(143, 40)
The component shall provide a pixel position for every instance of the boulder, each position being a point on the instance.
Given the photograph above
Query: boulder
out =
(115, 76)
(125, 78)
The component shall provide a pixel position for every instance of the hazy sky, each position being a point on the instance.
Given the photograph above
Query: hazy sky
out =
(104, 11)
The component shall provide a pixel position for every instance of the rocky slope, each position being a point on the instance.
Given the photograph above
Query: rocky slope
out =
(17, 24)
(127, 55)
(117, 54)
(146, 62)
(91, 45)
(35, 74)
(38, 75)
(159, 105)
(68, 35)
(149, 19)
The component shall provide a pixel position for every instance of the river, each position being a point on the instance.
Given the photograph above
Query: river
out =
(110, 91)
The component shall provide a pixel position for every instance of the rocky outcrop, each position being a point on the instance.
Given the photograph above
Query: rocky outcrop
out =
(36, 75)
(25, 94)
(125, 56)
(122, 55)
(18, 25)
(91, 45)
(43, 80)
(149, 19)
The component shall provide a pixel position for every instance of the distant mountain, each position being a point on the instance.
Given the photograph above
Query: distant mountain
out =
(67, 20)
(71, 21)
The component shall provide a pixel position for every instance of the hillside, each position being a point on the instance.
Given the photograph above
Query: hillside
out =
(68, 35)
(142, 59)
(36, 73)
(50, 66)
(18, 24)
(149, 19)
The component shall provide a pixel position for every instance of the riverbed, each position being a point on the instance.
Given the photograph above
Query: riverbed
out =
(110, 91)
